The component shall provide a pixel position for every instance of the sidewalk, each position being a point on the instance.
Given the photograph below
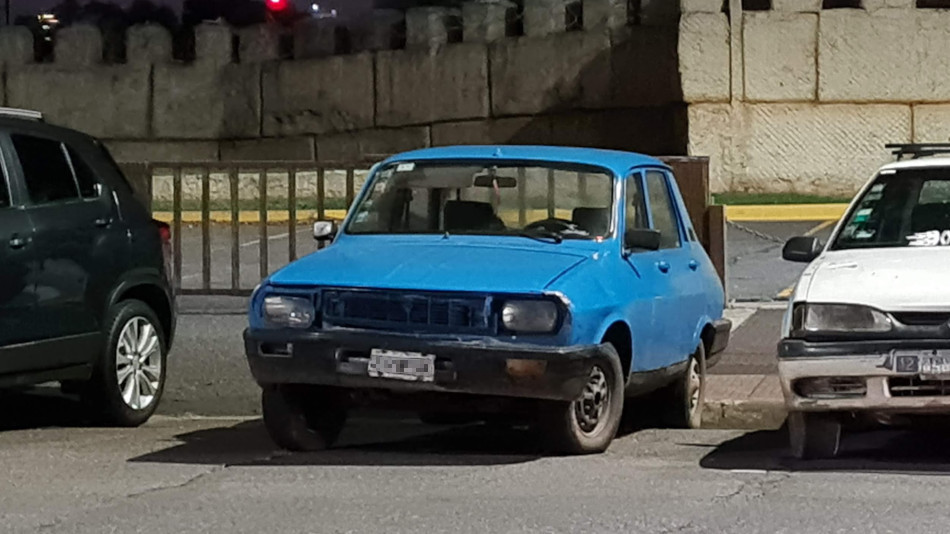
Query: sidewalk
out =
(743, 390)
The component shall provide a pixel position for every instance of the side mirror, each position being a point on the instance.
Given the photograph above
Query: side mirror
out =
(324, 230)
(642, 239)
(802, 249)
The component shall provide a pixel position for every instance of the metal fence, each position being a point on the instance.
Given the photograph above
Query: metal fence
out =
(241, 203)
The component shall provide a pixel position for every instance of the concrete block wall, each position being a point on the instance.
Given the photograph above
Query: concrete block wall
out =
(803, 99)
(450, 76)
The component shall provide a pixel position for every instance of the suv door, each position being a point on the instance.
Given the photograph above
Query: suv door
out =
(17, 271)
(78, 251)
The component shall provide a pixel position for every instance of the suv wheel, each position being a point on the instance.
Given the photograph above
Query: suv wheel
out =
(129, 378)
(303, 418)
(588, 424)
(684, 399)
(814, 436)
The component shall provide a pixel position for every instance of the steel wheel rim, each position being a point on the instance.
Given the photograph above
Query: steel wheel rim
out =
(138, 363)
(695, 385)
(591, 409)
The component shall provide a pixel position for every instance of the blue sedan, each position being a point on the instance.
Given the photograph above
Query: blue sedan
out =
(531, 284)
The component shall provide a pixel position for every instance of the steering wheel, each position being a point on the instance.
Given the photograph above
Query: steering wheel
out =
(553, 224)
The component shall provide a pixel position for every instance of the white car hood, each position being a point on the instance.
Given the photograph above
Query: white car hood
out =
(890, 279)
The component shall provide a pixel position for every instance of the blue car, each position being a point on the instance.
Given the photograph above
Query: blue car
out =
(513, 284)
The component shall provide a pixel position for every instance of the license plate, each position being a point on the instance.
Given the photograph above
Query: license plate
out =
(409, 366)
(935, 366)
(929, 364)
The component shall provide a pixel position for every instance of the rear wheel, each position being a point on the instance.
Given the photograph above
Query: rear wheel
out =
(684, 399)
(588, 424)
(129, 377)
(303, 418)
(814, 436)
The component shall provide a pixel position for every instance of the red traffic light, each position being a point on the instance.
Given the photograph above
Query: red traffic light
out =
(276, 5)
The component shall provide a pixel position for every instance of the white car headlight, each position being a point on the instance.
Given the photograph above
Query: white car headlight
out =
(838, 319)
(290, 312)
(530, 316)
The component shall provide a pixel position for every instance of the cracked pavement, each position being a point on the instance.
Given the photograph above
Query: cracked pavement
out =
(222, 475)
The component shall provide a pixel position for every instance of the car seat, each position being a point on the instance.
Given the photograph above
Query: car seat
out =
(595, 221)
(465, 215)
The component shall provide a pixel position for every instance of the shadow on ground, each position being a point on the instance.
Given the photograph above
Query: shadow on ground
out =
(919, 452)
(39, 408)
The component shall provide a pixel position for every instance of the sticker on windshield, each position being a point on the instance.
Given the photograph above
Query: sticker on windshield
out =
(406, 167)
(933, 238)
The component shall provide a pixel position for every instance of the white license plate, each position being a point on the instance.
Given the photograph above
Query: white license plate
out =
(935, 366)
(410, 366)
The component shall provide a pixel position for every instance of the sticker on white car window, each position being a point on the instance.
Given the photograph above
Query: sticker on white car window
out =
(933, 238)
(405, 167)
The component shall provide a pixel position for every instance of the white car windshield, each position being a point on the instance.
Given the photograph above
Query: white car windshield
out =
(487, 198)
(900, 209)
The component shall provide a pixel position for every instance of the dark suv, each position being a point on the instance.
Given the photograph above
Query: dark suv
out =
(85, 292)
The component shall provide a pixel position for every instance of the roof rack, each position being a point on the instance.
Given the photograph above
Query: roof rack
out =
(918, 150)
(21, 114)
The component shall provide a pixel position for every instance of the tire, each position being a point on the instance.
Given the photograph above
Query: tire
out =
(683, 400)
(577, 427)
(131, 326)
(814, 436)
(303, 418)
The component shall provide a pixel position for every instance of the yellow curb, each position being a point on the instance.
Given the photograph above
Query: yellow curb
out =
(786, 212)
(786, 293)
(246, 217)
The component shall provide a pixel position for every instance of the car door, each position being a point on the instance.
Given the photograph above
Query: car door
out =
(651, 284)
(72, 217)
(17, 272)
(679, 314)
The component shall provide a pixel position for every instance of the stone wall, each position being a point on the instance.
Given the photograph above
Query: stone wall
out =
(607, 82)
(803, 99)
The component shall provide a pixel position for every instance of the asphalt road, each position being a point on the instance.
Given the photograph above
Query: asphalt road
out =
(180, 476)
(754, 251)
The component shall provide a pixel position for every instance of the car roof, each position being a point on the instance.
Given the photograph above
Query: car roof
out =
(615, 160)
(42, 128)
(920, 163)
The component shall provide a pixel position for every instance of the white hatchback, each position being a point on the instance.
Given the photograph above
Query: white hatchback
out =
(867, 331)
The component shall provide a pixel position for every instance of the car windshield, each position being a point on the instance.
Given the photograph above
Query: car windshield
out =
(900, 209)
(536, 200)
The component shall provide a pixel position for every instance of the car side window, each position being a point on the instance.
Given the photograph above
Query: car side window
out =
(4, 189)
(85, 177)
(661, 208)
(46, 171)
(636, 217)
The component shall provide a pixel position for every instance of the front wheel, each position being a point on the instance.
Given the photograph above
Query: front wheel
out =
(588, 424)
(813, 436)
(129, 377)
(303, 418)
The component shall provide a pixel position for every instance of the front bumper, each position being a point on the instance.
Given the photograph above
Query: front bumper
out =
(892, 385)
(341, 358)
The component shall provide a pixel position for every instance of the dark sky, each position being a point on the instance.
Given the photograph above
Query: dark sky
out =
(29, 7)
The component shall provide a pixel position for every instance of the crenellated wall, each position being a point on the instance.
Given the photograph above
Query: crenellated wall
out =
(802, 99)
(607, 79)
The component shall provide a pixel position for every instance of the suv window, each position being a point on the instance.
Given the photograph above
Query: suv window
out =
(84, 176)
(45, 169)
(661, 208)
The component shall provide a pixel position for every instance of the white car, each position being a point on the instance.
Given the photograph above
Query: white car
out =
(867, 331)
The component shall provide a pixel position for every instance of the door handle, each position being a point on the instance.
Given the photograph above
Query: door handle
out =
(693, 265)
(663, 266)
(103, 222)
(17, 242)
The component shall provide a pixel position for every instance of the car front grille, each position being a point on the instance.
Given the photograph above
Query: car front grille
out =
(922, 318)
(398, 311)
(916, 387)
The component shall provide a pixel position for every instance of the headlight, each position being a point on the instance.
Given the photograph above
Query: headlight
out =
(290, 312)
(529, 316)
(838, 319)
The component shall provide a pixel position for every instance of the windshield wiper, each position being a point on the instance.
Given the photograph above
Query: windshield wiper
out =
(540, 234)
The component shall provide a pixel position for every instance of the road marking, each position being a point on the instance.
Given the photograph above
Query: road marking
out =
(786, 293)
(251, 243)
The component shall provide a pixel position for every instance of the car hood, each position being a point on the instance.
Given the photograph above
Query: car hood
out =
(441, 265)
(891, 279)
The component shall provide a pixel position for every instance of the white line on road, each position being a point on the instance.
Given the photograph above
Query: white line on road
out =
(250, 243)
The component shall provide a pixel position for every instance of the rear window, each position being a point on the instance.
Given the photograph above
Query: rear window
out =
(4, 189)
(85, 177)
(45, 169)
(900, 209)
